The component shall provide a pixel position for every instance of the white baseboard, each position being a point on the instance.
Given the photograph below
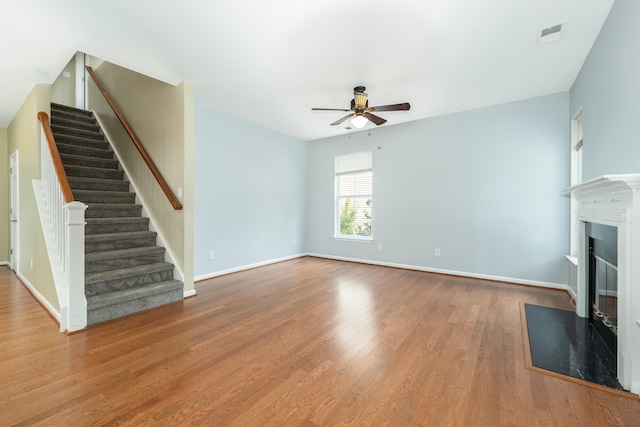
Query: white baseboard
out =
(448, 272)
(45, 303)
(4, 263)
(513, 280)
(245, 267)
(190, 293)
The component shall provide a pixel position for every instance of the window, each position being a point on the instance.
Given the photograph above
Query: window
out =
(354, 195)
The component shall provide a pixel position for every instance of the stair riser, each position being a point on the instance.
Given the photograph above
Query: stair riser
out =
(98, 186)
(78, 125)
(100, 288)
(55, 108)
(82, 142)
(116, 263)
(110, 245)
(115, 228)
(76, 150)
(122, 309)
(123, 212)
(89, 162)
(68, 115)
(82, 172)
(115, 198)
(63, 131)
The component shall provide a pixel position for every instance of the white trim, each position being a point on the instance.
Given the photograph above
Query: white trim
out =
(4, 263)
(572, 259)
(189, 293)
(246, 267)
(55, 313)
(448, 272)
(363, 239)
(512, 280)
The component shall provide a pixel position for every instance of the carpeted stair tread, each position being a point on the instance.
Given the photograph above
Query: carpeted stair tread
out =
(111, 298)
(73, 159)
(125, 269)
(82, 142)
(122, 253)
(65, 108)
(71, 122)
(79, 150)
(116, 236)
(66, 130)
(113, 241)
(138, 270)
(87, 183)
(112, 210)
(97, 196)
(91, 172)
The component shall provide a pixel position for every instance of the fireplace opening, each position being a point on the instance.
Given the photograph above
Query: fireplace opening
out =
(602, 274)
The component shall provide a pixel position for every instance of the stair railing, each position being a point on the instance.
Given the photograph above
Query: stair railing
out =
(62, 220)
(147, 159)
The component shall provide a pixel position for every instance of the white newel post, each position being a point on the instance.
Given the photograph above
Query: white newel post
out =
(74, 266)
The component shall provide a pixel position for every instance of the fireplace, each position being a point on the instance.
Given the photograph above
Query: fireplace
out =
(602, 276)
(613, 201)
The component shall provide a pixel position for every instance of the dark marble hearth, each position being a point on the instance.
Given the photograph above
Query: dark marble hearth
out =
(564, 343)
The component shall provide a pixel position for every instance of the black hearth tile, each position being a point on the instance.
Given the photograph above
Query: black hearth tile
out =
(564, 343)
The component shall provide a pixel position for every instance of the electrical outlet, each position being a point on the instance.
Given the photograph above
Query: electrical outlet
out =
(255, 248)
(212, 255)
(379, 246)
(295, 242)
(31, 263)
(436, 252)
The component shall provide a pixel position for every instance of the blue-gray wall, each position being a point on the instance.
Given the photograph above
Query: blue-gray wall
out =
(483, 186)
(250, 189)
(608, 91)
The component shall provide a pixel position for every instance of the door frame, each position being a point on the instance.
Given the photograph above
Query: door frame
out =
(14, 203)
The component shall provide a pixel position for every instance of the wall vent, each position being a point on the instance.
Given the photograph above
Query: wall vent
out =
(552, 34)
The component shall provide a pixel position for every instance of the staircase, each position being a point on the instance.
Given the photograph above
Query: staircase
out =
(125, 271)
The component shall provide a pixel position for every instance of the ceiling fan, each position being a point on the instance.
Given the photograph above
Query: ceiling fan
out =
(360, 112)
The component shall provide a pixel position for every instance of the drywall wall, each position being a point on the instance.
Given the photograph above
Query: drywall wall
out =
(4, 196)
(483, 186)
(158, 113)
(250, 189)
(63, 89)
(607, 90)
(24, 135)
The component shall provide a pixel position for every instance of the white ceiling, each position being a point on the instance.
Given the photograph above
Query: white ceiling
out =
(270, 62)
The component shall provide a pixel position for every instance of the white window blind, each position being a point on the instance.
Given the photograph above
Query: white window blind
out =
(354, 195)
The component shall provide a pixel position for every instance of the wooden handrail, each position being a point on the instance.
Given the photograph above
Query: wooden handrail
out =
(147, 159)
(55, 158)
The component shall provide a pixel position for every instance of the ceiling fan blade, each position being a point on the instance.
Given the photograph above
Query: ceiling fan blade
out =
(393, 107)
(329, 109)
(348, 116)
(375, 119)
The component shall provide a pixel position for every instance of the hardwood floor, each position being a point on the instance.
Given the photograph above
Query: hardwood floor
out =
(307, 342)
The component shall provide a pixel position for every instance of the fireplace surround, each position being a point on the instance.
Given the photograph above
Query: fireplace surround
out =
(614, 200)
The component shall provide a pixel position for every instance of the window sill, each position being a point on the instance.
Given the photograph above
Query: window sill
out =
(354, 239)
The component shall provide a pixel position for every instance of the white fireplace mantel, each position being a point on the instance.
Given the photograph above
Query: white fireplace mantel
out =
(615, 200)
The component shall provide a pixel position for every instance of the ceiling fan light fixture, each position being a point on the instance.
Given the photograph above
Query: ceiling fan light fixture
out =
(359, 121)
(360, 99)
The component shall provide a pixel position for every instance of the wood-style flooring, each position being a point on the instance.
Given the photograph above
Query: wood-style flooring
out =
(307, 342)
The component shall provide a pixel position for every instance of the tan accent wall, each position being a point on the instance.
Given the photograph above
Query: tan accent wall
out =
(4, 196)
(161, 116)
(63, 90)
(24, 135)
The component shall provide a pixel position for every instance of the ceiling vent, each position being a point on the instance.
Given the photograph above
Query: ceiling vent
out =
(552, 33)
